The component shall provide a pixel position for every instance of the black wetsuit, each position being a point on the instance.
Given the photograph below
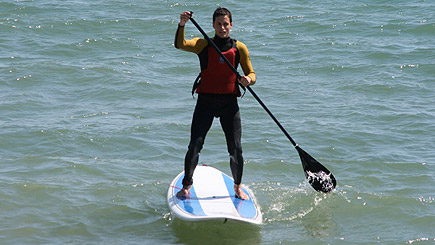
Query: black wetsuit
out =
(210, 105)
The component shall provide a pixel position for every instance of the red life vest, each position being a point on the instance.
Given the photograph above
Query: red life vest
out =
(218, 78)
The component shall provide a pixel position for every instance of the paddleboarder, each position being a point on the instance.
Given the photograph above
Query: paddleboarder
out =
(217, 89)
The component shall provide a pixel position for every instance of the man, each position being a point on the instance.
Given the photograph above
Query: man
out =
(217, 94)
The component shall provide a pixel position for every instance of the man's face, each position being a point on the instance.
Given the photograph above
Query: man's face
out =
(222, 26)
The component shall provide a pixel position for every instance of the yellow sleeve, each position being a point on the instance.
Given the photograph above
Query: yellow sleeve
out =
(245, 62)
(195, 45)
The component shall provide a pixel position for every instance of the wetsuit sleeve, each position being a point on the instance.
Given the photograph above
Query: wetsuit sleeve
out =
(245, 62)
(195, 45)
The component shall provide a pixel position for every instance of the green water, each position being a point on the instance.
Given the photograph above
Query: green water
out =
(95, 111)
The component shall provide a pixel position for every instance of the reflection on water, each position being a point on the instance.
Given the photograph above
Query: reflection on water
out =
(319, 223)
(301, 207)
(216, 232)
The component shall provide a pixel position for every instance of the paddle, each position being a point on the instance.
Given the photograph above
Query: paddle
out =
(319, 177)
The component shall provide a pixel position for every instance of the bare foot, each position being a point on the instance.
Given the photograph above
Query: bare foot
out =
(184, 192)
(240, 193)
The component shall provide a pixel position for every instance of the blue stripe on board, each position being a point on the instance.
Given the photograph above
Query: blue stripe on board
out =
(245, 208)
(190, 204)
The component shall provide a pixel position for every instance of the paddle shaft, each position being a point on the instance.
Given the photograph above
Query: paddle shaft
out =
(248, 87)
(319, 177)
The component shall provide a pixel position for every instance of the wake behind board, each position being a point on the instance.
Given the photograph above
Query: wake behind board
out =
(212, 197)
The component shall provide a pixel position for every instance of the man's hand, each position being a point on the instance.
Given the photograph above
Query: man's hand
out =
(184, 17)
(245, 81)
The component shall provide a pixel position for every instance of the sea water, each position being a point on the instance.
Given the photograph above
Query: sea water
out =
(95, 112)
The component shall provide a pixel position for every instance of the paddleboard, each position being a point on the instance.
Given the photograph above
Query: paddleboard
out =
(212, 197)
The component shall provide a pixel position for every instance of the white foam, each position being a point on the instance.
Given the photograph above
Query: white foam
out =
(323, 178)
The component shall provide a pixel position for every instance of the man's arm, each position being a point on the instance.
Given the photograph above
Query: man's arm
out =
(194, 45)
(245, 62)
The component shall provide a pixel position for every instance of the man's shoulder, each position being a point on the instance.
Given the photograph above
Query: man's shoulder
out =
(201, 42)
(240, 45)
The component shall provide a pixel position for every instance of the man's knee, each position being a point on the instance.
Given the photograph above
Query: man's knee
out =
(235, 148)
(196, 145)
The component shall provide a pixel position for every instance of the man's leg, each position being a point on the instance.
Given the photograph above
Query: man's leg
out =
(201, 123)
(231, 125)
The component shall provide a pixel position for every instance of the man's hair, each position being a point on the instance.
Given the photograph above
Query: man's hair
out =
(222, 12)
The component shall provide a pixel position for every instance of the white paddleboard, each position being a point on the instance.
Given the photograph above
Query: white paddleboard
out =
(212, 197)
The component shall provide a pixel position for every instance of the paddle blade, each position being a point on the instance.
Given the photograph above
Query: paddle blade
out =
(319, 177)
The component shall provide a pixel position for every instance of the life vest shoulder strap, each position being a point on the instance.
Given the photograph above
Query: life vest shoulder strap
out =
(196, 84)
